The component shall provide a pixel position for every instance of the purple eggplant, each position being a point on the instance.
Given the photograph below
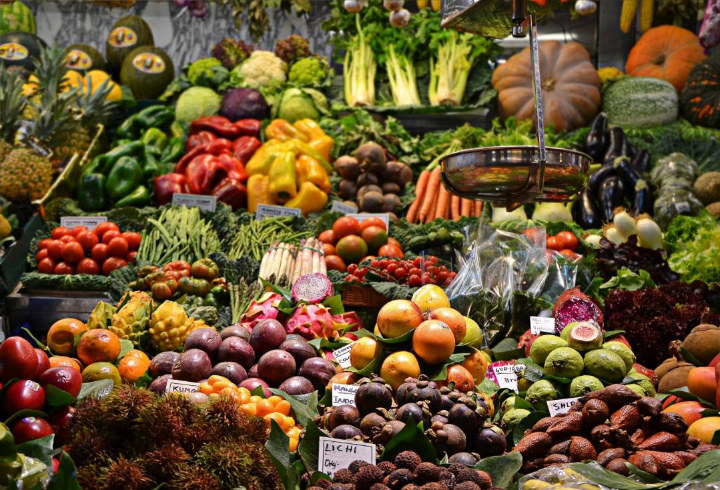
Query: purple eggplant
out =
(643, 201)
(641, 162)
(597, 138)
(617, 146)
(612, 194)
(585, 211)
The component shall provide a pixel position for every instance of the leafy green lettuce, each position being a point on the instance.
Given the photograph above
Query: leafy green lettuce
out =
(694, 247)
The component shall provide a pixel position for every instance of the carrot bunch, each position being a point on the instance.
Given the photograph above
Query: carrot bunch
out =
(433, 201)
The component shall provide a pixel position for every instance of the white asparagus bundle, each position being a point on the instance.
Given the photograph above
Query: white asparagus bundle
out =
(265, 261)
(290, 264)
(284, 257)
(298, 263)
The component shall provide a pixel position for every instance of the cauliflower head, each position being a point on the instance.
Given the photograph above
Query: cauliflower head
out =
(201, 70)
(259, 70)
(309, 72)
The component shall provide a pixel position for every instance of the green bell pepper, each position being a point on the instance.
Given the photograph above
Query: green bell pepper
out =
(124, 177)
(211, 300)
(129, 129)
(155, 141)
(91, 192)
(174, 150)
(221, 294)
(117, 143)
(105, 162)
(156, 116)
(178, 129)
(139, 197)
(151, 168)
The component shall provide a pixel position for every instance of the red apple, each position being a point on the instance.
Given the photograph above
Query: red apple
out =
(17, 359)
(23, 394)
(30, 428)
(63, 377)
(60, 422)
(43, 362)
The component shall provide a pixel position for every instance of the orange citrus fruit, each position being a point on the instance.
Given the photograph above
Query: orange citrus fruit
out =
(132, 368)
(61, 335)
(433, 341)
(65, 361)
(101, 370)
(98, 345)
(364, 351)
(398, 366)
(705, 428)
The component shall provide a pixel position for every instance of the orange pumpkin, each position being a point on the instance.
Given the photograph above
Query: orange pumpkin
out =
(666, 52)
(570, 85)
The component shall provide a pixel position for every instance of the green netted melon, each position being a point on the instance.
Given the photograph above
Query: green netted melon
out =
(640, 102)
(148, 71)
(20, 48)
(16, 16)
(127, 34)
(83, 58)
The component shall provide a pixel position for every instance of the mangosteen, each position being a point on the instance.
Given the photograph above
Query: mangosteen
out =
(449, 439)
(446, 403)
(388, 431)
(371, 422)
(411, 411)
(489, 441)
(372, 395)
(463, 458)
(345, 431)
(440, 417)
(464, 417)
(343, 415)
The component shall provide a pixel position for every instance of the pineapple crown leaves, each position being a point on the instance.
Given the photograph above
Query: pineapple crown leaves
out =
(12, 103)
(94, 105)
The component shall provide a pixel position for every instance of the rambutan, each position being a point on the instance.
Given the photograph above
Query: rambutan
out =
(228, 464)
(222, 416)
(165, 418)
(89, 450)
(196, 478)
(88, 476)
(166, 462)
(125, 474)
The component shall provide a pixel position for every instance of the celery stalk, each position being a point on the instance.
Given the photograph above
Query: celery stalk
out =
(401, 75)
(449, 70)
(359, 68)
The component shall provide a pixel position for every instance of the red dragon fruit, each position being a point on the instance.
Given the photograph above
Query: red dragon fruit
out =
(263, 308)
(574, 306)
(312, 288)
(312, 321)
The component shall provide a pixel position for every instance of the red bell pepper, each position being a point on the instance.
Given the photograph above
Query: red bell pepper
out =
(245, 147)
(233, 167)
(215, 147)
(167, 185)
(201, 173)
(248, 127)
(218, 125)
(717, 390)
(198, 139)
(232, 192)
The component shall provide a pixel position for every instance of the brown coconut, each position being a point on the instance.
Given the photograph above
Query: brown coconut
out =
(703, 342)
(674, 377)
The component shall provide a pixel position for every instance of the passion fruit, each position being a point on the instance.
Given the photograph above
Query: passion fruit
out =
(318, 370)
(162, 363)
(297, 385)
(276, 366)
(267, 335)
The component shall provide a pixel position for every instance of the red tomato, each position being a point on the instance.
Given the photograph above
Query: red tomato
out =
(63, 268)
(112, 263)
(531, 234)
(66, 239)
(109, 235)
(44, 243)
(117, 247)
(55, 249)
(99, 253)
(78, 229)
(59, 231)
(392, 241)
(87, 239)
(42, 254)
(72, 252)
(103, 227)
(133, 239)
(390, 250)
(88, 266)
(554, 243)
(327, 236)
(568, 253)
(131, 257)
(569, 240)
(46, 266)
(374, 221)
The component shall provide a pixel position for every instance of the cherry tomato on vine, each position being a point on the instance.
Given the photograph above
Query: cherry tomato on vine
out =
(568, 239)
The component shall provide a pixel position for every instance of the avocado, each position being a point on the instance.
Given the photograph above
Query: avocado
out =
(20, 48)
(84, 58)
(126, 34)
(147, 70)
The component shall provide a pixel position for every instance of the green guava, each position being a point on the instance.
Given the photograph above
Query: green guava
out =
(606, 365)
(585, 336)
(582, 385)
(565, 334)
(543, 346)
(564, 362)
(623, 351)
(643, 382)
(540, 392)
(507, 405)
(512, 418)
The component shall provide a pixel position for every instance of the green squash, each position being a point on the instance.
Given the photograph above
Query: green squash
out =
(84, 58)
(148, 71)
(701, 96)
(127, 34)
(20, 48)
(640, 102)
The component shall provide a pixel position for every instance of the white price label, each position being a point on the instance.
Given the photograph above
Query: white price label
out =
(383, 216)
(90, 221)
(343, 394)
(507, 376)
(270, 211)
(562, 406)
(339, 207)
(204, 203)
(177, 386)
(337, 454)
(540, 325)
(342, 355)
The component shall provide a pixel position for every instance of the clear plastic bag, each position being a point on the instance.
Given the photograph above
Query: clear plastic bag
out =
(506, 277)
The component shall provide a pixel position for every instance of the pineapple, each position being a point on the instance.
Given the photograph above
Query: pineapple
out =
(131, 320)
(12, 105)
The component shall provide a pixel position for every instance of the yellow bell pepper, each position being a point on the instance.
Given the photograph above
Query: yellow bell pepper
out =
(282, 178)
(258, 191)
(311, 129)
(310, 199)
(260, 162)
(309, 170)
(322, 145)
(302, 148)
(282, 130)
